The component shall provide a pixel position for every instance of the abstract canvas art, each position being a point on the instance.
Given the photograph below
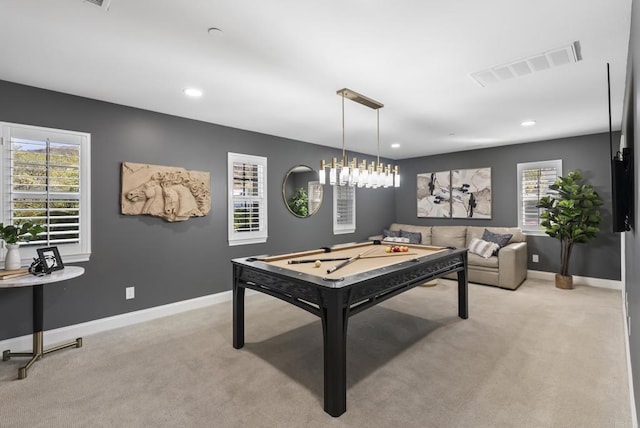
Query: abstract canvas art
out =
(434, 194)
(471, 193)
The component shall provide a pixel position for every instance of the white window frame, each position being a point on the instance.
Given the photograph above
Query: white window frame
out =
(69, 252)
(342, 228)
(521, 167)
(261, 235)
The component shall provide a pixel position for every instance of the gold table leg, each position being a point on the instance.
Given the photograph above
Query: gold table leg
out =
(38, 352)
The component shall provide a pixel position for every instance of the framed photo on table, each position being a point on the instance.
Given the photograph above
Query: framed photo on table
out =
(50, 259)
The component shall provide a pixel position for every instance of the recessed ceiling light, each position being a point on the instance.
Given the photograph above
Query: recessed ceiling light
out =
(528, 123)
(193, 92)
(395, 145)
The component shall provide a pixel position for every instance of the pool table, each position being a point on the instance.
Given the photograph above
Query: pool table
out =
(338, 282)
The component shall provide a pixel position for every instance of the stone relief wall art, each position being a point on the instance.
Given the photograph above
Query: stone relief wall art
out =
(434, 194)
(471, 193)
(173, 193)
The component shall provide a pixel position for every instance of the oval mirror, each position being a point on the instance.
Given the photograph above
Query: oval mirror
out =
(301, 191)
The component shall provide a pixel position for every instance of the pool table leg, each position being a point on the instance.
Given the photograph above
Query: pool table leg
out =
(334, 329)
(238, 315)
(463, 295)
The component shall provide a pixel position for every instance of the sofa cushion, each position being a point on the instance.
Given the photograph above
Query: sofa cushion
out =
(480, 262)
(449, 236)
(482, 248)
(390, 233)
(425, 231)
(414, 237)
(396, 239)
(501, 239)
(477, 231)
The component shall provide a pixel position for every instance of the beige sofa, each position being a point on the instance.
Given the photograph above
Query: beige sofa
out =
(506, 270)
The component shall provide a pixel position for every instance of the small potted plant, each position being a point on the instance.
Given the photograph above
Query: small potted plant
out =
(572, 216)
(12, 234)
(299, 203)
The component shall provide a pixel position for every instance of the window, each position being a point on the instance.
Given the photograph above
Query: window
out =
(46, 179)
(344, 209)
(314, 190)
(534, 179)
(247, 181)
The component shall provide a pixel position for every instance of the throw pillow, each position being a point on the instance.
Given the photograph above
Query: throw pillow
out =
(396, 239)
(414, 237)
(390, 233)
(482, 248)
(498, 238)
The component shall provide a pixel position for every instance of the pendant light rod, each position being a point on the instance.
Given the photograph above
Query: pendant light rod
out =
(344, 152)
(378, 114)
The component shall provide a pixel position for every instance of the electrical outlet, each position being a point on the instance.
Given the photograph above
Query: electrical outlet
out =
(535, 258)
(130, 293)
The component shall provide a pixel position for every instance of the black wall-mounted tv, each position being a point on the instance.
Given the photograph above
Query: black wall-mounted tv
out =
(622, 190)
(621, 167)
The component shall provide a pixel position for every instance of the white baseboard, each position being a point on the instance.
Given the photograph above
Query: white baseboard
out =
(627, 329)
(632, 400)
(64, 334)
(578, 280)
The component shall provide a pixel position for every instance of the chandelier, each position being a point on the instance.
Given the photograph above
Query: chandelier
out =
(351, 173)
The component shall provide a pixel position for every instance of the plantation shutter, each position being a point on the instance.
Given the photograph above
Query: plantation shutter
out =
(248, 193)
(248, 202)
(314, 190)
(535, 179)
(344, 212)
(44, 187)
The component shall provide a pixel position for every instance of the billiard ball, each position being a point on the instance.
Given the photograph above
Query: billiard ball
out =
(318, 263)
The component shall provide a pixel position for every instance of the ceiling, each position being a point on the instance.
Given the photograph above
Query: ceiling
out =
(275, 66)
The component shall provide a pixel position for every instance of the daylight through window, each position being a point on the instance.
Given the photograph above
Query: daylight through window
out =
(46, 181)
(248, 201)
(534, 179)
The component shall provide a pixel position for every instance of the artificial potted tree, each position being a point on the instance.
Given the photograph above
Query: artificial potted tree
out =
(572, 216)
(12, 234)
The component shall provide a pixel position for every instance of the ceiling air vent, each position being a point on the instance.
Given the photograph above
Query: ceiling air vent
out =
(522, 67)
(102, 3)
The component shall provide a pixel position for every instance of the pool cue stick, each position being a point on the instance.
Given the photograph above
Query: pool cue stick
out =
(373, 256)
(346, 262)
(397, 253)
(295, 262)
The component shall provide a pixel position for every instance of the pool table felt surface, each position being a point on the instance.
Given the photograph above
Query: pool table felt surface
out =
(372, 257)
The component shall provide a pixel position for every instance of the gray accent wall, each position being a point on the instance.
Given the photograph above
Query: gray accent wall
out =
(166, 262)
(589, 153)
(171, 262)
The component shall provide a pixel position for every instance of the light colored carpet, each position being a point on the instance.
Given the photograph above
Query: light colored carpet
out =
(536, 357)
